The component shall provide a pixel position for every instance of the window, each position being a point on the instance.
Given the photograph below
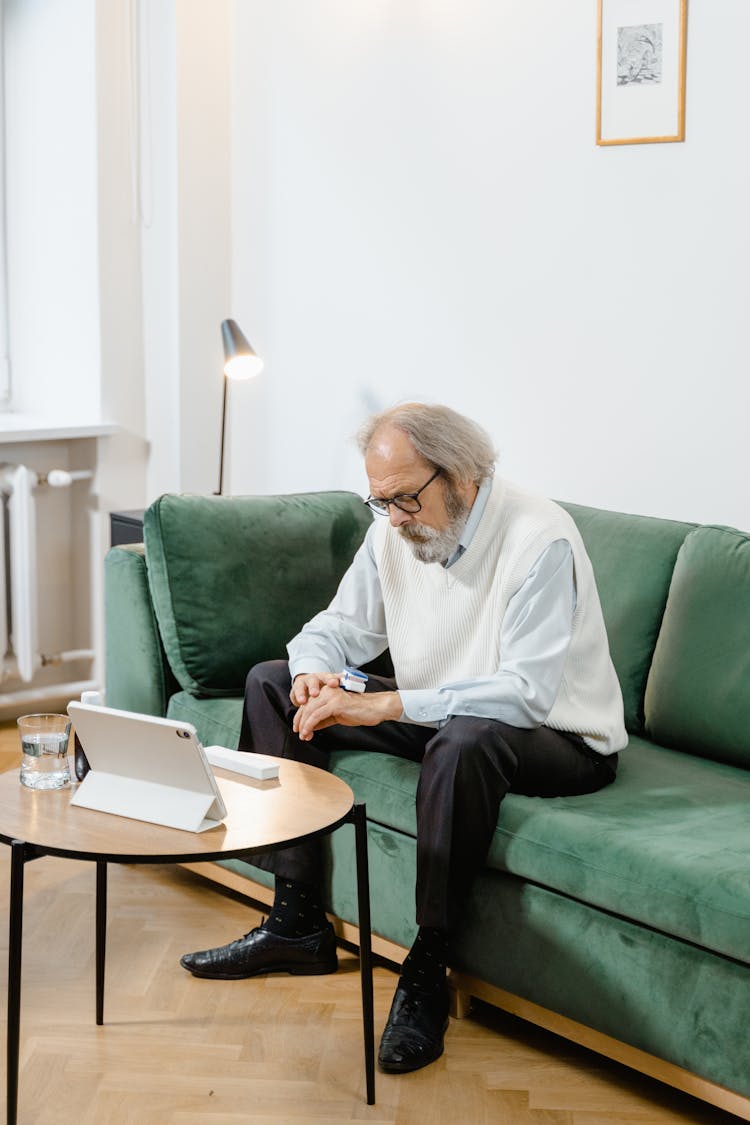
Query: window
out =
(4, 356)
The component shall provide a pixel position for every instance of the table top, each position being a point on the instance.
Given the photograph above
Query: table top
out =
(261, 815)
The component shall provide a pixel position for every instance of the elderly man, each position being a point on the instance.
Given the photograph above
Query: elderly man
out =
(485, 596)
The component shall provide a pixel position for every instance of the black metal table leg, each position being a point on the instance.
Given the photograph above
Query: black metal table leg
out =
(359, 818)
(101, 936)
(17, 860)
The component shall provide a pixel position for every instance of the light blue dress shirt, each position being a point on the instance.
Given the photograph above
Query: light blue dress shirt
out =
(535, 635)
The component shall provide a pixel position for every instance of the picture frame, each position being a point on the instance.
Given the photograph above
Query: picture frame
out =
(641, 64)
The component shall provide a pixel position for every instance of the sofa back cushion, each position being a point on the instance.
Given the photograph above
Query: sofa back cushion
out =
(633, 558)
(232, 579)
(698, 692)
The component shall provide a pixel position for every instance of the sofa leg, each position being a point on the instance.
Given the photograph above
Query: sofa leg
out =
(460, 1001)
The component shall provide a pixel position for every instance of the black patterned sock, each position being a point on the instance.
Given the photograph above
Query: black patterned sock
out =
(296, 910)
(427, 959)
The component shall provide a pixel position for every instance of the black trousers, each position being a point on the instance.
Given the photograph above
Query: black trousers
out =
(468, 765)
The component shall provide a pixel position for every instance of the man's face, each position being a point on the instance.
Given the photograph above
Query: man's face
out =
(393, 468)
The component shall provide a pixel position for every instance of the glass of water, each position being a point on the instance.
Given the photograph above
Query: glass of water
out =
(44, 751)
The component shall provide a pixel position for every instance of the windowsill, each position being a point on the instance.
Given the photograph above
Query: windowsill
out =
(36, 427)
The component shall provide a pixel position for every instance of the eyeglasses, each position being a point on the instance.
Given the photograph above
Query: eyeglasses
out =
(406, 502)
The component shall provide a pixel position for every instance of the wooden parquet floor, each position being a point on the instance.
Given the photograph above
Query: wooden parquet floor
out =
(282, 1050)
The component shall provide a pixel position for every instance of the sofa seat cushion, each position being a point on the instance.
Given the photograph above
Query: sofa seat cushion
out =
(666, 845)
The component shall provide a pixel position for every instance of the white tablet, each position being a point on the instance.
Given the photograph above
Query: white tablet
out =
(145, 768)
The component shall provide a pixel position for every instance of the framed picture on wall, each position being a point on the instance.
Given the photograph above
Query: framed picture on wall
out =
(641, 56)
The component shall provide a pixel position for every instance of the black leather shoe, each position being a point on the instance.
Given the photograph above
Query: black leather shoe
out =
(262, 951)
(413, 1036)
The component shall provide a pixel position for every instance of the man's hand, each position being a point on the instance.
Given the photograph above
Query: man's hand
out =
(308, 685)
(332, 705)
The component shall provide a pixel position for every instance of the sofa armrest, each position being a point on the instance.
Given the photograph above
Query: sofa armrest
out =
(137, 674)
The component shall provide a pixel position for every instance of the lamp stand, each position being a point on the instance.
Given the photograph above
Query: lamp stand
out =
(220, 491)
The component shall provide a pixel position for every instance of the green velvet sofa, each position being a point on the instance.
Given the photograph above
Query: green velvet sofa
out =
(619, 919)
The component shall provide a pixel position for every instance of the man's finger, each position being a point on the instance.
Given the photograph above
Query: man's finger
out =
(298, 719)
(307, 725)
(313, 717)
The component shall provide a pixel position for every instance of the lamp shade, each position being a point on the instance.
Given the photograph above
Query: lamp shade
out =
(240, 361)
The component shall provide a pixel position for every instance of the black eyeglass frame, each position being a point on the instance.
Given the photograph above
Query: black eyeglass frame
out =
(397, 501)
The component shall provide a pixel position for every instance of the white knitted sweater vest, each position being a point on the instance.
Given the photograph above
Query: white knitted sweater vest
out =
(444, 625)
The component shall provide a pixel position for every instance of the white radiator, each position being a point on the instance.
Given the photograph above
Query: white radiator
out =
(19, 625)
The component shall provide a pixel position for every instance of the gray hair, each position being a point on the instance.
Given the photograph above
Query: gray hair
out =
(440, 436)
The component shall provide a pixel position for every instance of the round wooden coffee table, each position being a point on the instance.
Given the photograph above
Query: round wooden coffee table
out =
(259, 817)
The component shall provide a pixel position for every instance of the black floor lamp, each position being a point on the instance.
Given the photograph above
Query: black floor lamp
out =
(240, 362)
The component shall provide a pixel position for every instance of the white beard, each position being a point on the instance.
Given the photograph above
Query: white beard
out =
(432, 546)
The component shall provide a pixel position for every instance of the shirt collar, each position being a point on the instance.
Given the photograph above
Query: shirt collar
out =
(472, 521)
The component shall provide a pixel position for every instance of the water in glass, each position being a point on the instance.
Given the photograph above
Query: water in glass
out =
(44, 751)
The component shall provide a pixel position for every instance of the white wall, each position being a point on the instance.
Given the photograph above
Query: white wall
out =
(164, 160)
(118, 138)
(420, 210)
(185, 230)
(417, 208)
